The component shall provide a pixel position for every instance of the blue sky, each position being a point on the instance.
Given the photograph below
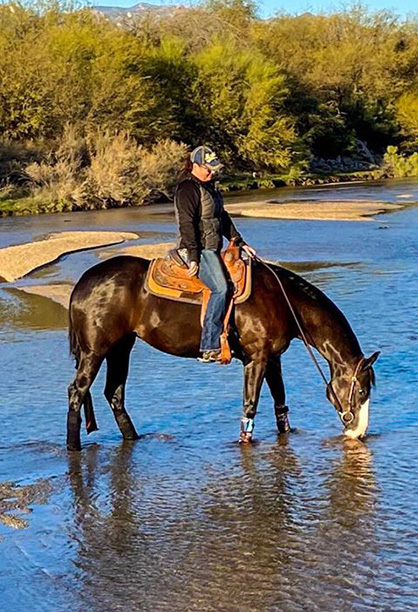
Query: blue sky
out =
(270, 7)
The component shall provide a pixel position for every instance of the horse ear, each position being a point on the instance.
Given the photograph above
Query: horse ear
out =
(369, 361)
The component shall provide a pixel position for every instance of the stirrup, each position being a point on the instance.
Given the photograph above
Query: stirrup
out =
(211, 356)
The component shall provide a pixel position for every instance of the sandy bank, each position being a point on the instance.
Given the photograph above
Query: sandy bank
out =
(17, 261)
(60, 292)
(353, 210)
(147, 251)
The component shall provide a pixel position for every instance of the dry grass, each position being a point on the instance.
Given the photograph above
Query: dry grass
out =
(104, 170)
(58, 179)
(124, 173)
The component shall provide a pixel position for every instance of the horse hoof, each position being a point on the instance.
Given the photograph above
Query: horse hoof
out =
(74, 447)
(130, 437)
(245, 437)
(283, 426)
(90, 427)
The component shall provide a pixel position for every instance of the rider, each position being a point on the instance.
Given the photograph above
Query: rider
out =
(202, 222)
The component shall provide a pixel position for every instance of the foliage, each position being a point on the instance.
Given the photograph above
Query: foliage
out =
(399, 166)
(269, 95)
(407, 116)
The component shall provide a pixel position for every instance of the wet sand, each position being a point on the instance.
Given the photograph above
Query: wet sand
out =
(60, 292)
(147, 251)
(19, 260)
(354, 210)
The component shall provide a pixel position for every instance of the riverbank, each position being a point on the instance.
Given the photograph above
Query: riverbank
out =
(60, 292)
(274, 181)
(23, 206)
(19, 260)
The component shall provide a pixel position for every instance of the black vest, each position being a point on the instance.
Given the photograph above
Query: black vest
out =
(210, 224)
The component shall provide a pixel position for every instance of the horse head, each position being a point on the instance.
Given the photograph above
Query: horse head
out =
(349, 392)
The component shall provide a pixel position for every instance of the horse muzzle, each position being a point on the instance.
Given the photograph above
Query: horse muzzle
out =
(357, 426)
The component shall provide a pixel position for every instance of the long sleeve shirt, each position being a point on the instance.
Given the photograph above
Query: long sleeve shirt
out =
(188, 213)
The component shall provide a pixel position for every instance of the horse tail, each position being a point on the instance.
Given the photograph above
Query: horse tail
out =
(75, 351)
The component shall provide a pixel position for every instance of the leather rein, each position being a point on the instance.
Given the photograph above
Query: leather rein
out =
(346, 416)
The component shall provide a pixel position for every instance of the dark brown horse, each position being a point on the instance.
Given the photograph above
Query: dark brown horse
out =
(110, 308)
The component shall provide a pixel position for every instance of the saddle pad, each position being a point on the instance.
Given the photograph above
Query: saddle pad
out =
(167, 279)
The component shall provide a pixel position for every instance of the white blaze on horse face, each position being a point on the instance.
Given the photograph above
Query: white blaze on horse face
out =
(362, 422)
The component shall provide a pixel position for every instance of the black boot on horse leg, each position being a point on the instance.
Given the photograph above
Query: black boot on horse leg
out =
(253, 379)
(86, 372)
(73, 422)
(117, 372)
(275, 382)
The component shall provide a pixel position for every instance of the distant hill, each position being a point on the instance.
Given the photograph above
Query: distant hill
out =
(118, 12)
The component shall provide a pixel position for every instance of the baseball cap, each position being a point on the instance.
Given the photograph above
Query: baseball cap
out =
(206, 157)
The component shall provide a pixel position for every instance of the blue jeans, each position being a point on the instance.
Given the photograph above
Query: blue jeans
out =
(211, 272)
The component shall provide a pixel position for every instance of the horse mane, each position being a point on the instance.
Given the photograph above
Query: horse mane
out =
(317, 296)
(308, 288)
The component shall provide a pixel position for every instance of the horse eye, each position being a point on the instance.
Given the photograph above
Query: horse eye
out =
(362, 392)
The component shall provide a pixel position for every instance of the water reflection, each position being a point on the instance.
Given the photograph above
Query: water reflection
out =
(256, 538)
(352, 486)
(30, 311)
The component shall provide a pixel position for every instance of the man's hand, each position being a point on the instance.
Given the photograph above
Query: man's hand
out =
(193, 268)
(250, 251)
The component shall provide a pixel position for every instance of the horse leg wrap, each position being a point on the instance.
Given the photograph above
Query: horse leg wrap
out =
(246, 430)
(282, 420)
(73, 430)
(126, 426)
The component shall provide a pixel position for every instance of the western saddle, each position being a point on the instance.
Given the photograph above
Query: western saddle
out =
(168, 278)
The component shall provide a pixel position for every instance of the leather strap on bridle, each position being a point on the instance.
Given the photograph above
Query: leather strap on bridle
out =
(345, 415)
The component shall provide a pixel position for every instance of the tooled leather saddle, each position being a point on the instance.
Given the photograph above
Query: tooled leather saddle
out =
(168, 278)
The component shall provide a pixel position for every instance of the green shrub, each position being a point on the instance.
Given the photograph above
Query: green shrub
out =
(399, 166)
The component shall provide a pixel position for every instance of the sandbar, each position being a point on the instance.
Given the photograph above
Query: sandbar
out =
(315, 210)
(19, 260)
(60, 292)
(147, 251)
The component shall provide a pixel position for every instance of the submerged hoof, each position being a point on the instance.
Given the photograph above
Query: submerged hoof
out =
(130, 436)
(283, 426)
(73, 446)
(90, 427)
(282, 420)
(245, 437)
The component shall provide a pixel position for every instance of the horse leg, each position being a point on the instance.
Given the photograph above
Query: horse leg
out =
(87, 369)
(253, 379)
(274, 380)
(117, 372)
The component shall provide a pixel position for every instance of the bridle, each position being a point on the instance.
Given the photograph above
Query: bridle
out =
(347, 416)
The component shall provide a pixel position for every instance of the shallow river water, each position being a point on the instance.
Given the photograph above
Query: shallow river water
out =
(185, 519)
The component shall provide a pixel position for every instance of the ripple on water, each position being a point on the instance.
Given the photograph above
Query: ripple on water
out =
(185, 519)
